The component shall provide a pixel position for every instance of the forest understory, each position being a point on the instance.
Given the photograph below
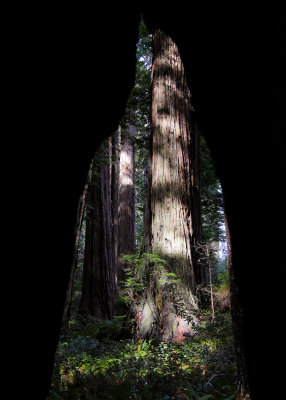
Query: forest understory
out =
(147, 312)
(101, 360)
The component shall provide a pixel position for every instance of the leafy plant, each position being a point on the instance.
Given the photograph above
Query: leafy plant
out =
(138, 269)
(223, 280)
(87, 367)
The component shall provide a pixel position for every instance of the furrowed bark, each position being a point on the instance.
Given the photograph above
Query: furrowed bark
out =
(115, 203)
(173, 179)
(98, 281)
(146, 245)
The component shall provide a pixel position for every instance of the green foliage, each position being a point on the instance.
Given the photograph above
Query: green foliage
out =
(212, 210)
(92, 361)
(137, 269)
(101, 329)
(87, 367)
(223, 280)
(211, 198)
(138, 114)
(138, 106)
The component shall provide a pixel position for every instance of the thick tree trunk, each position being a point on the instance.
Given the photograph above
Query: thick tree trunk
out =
(98, 281)
(114, 202)
(126, 220)
(171, 193)
(171, 164)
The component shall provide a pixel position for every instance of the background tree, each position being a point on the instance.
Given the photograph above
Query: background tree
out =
(114, 150)
(196, 207)
(150, 288)
(80, 222)
(99, 270)
(138, 113)
(135, 131)
(195, 197)
(77, 281)
(212, 210)
(126, 227)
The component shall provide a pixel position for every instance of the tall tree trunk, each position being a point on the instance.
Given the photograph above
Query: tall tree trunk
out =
(114, 202)
(126, 220)
(171, 193)
(98, 281)
(146, 245)
(79, 220)
(171, 164)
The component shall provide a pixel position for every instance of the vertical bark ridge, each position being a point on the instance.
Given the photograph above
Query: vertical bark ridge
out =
(115, 202)
(171, 180)
(171, 219)
(98, 279)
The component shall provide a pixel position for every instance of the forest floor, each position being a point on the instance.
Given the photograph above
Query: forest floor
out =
(89, 366)
(93, 363)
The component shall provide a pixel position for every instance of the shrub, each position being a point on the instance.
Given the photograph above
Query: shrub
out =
(89, 367)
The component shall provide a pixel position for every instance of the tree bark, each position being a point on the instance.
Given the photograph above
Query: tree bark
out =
(98, 281)
(79, 220)
(126, 219)
(115, 202)
(171, 164)
(173, 179)
(146, 245)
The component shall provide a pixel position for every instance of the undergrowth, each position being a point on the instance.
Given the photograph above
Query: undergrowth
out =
(92, 363)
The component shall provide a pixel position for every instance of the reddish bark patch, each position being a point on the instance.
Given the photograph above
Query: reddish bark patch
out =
(179, 337)
(138, 317)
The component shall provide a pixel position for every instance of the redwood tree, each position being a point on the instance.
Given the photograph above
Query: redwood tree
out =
(99, 270)
(174, 178)
(79, 221)
(114, 149)
(126, 219)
